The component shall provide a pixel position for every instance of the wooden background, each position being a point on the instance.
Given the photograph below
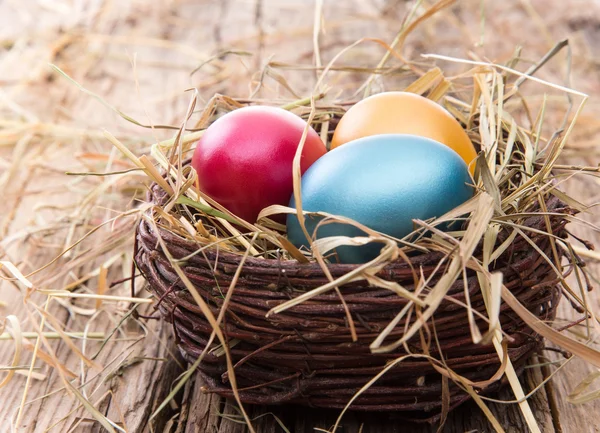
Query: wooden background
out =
(138, 55)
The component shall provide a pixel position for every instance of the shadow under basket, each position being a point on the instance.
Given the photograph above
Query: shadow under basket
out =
(306, 356)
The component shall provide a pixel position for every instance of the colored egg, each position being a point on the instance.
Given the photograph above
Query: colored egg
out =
(384, 182)
(404, 113)
(244, 159)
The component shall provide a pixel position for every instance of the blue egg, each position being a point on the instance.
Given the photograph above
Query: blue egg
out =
(384, 182)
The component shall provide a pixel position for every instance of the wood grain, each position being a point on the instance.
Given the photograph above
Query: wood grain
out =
(96, 43)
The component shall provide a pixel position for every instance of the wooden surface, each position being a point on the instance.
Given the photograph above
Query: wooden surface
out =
(96, 42)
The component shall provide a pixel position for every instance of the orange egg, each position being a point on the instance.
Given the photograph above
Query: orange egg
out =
(404, 113)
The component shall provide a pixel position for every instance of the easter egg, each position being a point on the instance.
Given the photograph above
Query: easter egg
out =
(383, 182)
(404, 113)
(244, 159)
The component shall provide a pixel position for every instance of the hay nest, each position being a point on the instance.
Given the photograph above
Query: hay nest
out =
(424, 327)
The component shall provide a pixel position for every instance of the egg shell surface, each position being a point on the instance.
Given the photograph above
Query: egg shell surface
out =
(244, 159)
(404, 113)
(381, 181)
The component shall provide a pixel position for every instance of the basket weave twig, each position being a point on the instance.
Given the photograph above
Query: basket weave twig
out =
(305, 355)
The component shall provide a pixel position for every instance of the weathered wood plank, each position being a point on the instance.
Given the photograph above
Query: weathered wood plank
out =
(170, 39)
(579, 418)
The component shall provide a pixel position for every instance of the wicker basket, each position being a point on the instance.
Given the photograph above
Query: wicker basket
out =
(305, 355)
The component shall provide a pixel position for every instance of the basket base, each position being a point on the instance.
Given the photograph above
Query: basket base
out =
(369, 415)
(401, 402)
